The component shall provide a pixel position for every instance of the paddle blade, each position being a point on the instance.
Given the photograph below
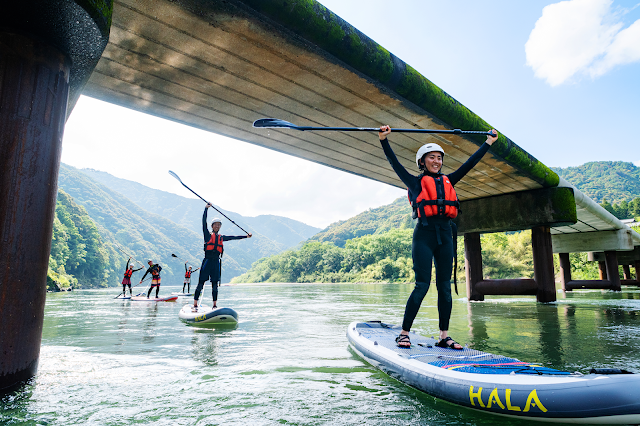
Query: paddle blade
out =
(173, 255)
(175, 176)
(273, 123)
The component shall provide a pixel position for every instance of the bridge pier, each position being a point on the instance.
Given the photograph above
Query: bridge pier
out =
(47, 51)
(34, 84)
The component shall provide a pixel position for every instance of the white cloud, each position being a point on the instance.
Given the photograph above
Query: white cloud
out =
(637, 163)
(580, 37)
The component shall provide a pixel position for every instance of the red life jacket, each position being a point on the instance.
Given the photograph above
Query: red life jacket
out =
(128, 273)
(437, 198)
(187, 274)
(214, 243)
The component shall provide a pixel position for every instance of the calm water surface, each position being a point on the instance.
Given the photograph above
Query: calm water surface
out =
(112, 362)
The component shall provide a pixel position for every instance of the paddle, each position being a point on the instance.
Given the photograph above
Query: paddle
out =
(275, 123)
(180, 180)
(179, 258)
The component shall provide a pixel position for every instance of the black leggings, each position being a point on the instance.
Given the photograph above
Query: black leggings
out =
(151, 289)
(431, 242)
(210, 270)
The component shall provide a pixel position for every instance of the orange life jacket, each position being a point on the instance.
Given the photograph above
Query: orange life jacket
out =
(128, 273)
(187, 274)
(214, 243)
(437, 198)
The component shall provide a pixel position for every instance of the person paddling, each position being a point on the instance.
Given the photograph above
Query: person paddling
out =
(435, 203)
(187, 277)
(213, 249)
(126, 281)
(154, 270)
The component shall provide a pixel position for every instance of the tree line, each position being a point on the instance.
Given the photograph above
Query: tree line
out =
(386, 257)
(624, 209)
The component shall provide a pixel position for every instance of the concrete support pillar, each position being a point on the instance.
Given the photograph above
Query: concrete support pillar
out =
(543, 264)
(473, 264)
(565, 270)
(602, 270)
(611, 261)
(627, 272)
(34, 86)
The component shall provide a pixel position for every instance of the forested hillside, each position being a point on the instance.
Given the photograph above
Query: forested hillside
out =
(146, 235)
(614, 181)
(187, 212)
(78, 253)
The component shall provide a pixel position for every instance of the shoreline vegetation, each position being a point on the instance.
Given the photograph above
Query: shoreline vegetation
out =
(371, 247)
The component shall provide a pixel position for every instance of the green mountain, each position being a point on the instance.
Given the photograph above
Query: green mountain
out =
(373, 221)
(614, 181)
(78, 253)
(174, 227)
(187, 212)
(146, 235)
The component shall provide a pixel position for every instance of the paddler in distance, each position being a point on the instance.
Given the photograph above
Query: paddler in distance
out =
(126, 281)
(213, 249)
(187, 277)
(435, 203)
(154, 270)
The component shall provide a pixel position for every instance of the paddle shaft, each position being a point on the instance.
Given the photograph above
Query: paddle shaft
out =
(377, 129)
(212, 206)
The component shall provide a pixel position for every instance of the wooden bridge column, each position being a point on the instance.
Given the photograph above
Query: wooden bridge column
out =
(473, 264)
(627, 272)
(611, 260)
(565, 270)
(543, 264)
(602, 270)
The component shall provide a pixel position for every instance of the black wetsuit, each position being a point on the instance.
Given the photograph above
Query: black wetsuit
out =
(211, 264)
(153, 268)
(432, 240)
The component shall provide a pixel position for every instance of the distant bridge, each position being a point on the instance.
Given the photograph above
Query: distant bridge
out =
(219, 65)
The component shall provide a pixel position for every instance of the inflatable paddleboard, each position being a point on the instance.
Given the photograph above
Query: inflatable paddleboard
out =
(497, 384)
(182, 294)
(153, 299)
(206, 315)
(123, 297)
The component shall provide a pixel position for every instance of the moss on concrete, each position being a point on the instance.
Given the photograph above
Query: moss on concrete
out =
(101, 11)
(315, 23)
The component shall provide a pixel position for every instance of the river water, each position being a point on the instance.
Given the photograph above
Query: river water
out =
(113, 362)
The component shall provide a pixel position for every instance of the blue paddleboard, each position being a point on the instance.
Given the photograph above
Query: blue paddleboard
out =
(497, 384)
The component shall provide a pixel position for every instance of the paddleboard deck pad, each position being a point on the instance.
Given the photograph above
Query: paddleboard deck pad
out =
(206, 315)
(497, 384)
(153, 299)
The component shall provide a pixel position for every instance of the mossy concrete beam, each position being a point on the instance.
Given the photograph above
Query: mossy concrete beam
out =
(77, 28)
(318, 25)
(517, 211)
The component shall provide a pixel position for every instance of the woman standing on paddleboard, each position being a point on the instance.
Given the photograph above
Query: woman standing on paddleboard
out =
(187, 278)
(213, 249)
(126, 281)
(435, 203)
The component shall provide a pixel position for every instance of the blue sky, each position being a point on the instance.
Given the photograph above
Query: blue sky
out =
(561, 79)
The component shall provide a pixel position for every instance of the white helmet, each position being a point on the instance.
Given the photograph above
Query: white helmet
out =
(216, 219)
(424, 149)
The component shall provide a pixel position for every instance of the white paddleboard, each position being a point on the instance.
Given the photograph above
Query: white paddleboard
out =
(153, 299)
(206, 315)
(182, 294)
